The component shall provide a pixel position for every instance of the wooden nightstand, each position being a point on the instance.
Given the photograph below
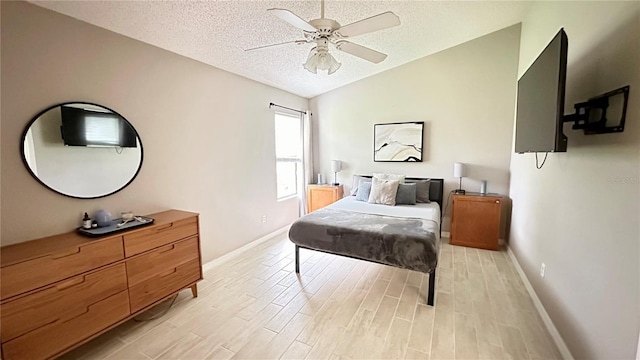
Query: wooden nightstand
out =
(476, 220)
(319, 196)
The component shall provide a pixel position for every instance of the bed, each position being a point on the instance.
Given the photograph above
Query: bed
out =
(404, 236)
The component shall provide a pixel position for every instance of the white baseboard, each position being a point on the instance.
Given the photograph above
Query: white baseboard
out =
(445, 234)
(553, 331)
(226, 257)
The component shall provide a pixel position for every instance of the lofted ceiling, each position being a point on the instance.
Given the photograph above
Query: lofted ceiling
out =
(218, 32)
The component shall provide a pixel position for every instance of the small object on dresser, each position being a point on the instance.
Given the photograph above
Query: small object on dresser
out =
(86, 221)
(94, 224)
(319, 179)
(483, 187)
(103, 218)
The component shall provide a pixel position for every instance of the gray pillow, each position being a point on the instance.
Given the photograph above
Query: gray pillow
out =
(364, 190)
(356, 182)
(406, 194)
(422, 190)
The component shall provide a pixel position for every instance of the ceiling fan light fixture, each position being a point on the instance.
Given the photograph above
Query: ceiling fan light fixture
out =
(319, 58)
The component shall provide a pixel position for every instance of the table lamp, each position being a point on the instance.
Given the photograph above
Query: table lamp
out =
(336, 166)
(459, 171)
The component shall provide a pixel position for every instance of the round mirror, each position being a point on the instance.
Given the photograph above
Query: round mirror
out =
(82, 150)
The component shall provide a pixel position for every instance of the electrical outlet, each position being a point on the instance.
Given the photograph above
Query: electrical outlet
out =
(543, 267)
(264, 219)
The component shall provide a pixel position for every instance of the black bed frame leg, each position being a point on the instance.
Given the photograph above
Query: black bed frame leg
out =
(432, 286)
(297, 259)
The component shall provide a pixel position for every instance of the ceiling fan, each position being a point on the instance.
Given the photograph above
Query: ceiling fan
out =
(323, 32)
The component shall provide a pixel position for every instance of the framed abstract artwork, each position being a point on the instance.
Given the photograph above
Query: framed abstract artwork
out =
(398, 142)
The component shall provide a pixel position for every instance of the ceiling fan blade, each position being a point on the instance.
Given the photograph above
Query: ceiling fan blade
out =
(293, 19)
(374, 23)
(360, 51)
(278, 44)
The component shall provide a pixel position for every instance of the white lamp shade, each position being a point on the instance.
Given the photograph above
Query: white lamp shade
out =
(336, 165)
(459, 170)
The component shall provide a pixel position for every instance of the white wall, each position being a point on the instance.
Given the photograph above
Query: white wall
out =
(207, 134)
(579, 214)
(466, 97)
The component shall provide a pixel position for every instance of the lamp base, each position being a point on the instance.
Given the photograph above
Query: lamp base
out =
(459, 192)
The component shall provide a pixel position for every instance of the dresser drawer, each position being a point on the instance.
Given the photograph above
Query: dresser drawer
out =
(32, 274)
(163, 284)
(60, 301)
(53, 338)
(161, 260)
(158, 235)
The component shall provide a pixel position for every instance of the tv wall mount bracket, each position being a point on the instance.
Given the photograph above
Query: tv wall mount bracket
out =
(586, 115)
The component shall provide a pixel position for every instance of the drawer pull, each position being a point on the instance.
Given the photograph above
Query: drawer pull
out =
(174, 270)
(60, 256)
(164, 227)
(70, 283)
(497, 201)
(169, 248)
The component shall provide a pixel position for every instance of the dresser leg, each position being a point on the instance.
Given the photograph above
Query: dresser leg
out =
(194, 290)
(297, 259)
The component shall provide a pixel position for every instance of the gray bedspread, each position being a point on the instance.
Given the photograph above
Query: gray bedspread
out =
(402, 242)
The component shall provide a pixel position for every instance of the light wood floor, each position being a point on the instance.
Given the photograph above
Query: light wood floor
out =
(255, 307)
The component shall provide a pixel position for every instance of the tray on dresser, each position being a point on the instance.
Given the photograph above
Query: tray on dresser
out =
(106, 230)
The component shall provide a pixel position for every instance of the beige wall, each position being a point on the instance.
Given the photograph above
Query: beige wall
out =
(466, 97)
(579, 214)
(205, 131)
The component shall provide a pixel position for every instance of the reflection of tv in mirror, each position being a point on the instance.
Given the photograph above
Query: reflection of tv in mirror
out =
(85, 127)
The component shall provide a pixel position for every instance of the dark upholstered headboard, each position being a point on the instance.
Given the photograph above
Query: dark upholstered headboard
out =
(436, 189)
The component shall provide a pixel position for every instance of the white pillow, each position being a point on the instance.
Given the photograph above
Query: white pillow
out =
(383, 191)
(380, 176)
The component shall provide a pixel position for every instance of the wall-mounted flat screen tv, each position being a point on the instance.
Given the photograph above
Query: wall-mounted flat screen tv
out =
(85, 127)
(540, 107)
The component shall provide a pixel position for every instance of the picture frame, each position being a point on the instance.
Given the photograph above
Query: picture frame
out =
(398, 142)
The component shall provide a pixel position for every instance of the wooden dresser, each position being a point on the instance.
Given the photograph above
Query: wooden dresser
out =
(319, 196)
(476, 220)
(60, 291)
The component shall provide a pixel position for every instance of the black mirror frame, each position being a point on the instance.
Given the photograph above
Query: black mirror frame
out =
(24, 159)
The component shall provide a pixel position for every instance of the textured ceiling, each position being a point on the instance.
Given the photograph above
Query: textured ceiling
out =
(217, 32)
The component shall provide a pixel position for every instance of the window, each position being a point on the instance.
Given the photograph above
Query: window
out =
(288, 154)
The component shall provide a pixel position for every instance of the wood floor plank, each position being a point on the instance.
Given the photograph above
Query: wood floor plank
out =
(382, 319)
(375, 295)
(408, 301)
(465, 340)
(241, 338)
(422, 329)
(397, 283)
(442, 340)
(297, 350)
(253, 348)
(287, 335)
(396, 343)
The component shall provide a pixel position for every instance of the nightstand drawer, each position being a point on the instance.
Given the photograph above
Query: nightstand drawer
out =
(53, 338)
(162, 259)
(476, 221)
(158, 235)
(32, 274)
(163, 284)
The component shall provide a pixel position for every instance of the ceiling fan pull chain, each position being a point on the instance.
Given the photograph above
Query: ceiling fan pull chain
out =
(321, 9)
